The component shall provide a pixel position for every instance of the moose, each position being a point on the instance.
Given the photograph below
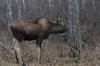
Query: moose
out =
(28, 30)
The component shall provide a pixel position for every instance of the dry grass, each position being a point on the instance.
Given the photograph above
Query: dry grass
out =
(53, 53)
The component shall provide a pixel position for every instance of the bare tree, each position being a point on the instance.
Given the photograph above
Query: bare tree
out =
(75, 35)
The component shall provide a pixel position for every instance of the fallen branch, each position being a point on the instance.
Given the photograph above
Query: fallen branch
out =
(7, 49)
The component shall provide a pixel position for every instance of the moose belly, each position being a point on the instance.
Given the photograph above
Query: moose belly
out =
(34, 36)
(30, 37)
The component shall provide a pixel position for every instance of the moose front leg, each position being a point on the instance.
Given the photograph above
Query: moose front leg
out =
(18, 53)
(39, 44)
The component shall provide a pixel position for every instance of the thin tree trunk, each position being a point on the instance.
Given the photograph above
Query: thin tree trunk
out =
(9, 16)
(19, 8)
(9, 10)
(75, 35)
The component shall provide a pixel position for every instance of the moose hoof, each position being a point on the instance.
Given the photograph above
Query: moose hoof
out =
(23, 64)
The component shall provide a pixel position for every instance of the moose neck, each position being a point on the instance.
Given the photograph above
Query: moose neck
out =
(57, 29)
